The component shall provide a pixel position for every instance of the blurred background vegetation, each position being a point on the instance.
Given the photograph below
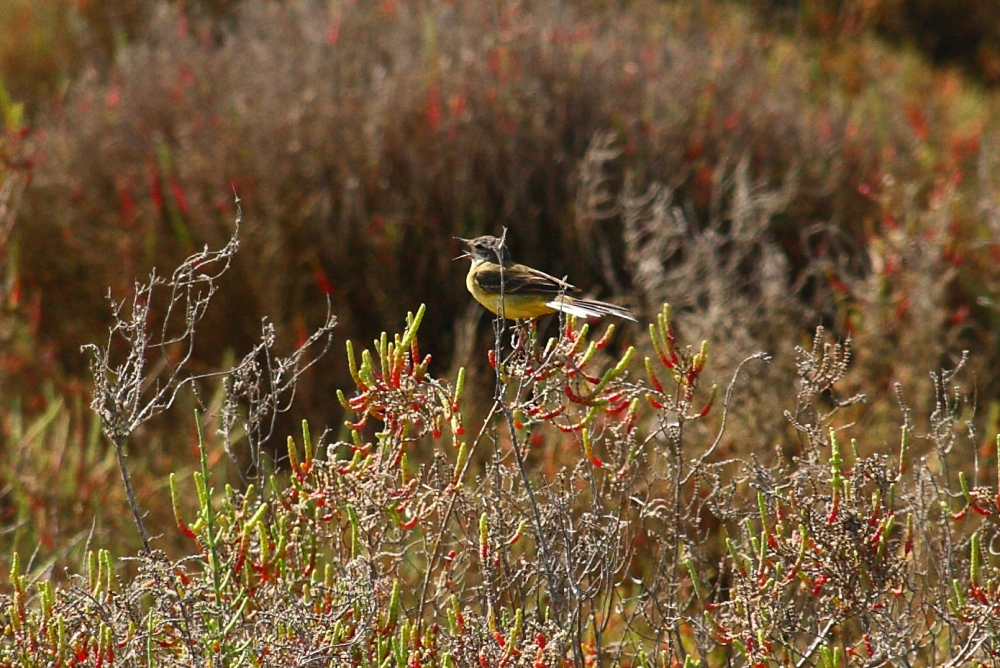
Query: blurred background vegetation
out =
(820, 162)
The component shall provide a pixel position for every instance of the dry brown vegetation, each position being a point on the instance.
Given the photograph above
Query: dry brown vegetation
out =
(765, 168)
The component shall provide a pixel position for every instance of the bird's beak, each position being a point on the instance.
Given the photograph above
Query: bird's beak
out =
(465, 253)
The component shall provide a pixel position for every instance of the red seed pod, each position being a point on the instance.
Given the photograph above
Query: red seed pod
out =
(603, 341)
(616, 409)
(722, 638)
(545, 417)
(657, 385)
(569, 333)
(664, 360)
(185, 529)
(633, 412)
(492, 357)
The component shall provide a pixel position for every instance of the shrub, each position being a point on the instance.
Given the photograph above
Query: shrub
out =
(367, 135)
(963, 33)
(635, 542)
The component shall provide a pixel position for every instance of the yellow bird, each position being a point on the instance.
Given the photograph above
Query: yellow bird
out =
(527, 293)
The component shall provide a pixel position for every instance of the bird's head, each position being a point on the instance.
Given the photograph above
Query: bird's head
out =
(485, 249)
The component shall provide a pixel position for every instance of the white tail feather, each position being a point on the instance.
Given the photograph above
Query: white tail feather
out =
(585, 308)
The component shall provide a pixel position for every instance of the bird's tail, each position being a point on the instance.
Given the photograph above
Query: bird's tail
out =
(588, 308)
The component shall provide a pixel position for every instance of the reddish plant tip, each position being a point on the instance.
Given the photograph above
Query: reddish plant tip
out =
(615, 409)
(573, 396)
(186, 530)
(721, 637)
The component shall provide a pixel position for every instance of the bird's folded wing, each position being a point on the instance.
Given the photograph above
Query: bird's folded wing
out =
(518, 278)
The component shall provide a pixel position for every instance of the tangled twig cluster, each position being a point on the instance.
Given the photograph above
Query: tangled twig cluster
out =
(583, 522)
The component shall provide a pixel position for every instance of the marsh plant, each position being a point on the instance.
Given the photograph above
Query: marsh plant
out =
(585, 520)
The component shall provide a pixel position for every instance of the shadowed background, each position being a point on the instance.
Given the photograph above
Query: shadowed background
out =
(766, 167)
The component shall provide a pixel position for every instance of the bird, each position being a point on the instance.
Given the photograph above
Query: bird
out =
(527, 292)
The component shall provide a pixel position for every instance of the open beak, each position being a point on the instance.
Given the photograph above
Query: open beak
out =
(465, 253)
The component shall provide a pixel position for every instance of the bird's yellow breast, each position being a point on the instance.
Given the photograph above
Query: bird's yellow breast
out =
(515, 306)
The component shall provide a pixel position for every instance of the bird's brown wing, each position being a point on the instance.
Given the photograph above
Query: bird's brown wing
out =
(518, 278)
